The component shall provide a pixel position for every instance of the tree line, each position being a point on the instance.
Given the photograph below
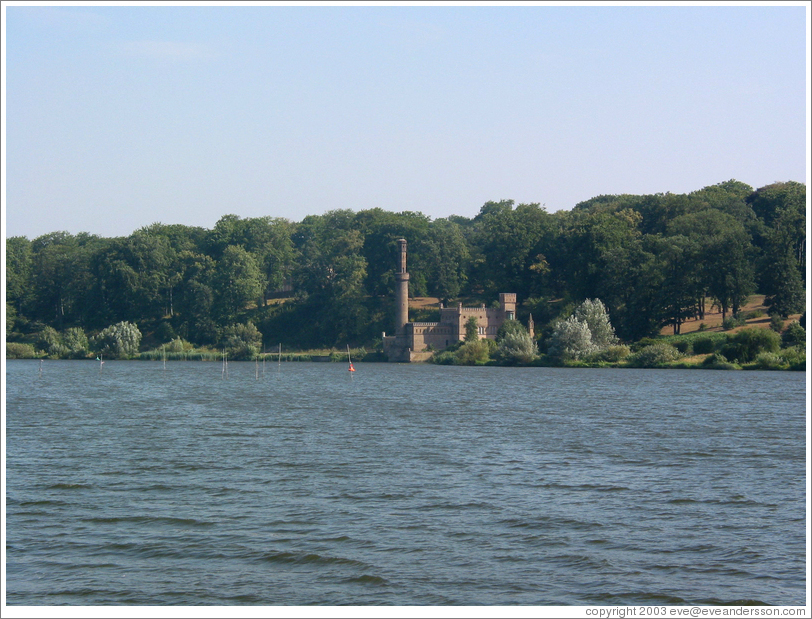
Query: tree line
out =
(328, 280)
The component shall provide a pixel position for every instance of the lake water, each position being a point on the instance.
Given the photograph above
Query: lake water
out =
(402, 484)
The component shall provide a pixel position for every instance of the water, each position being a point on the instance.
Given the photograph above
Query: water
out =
(402, 484)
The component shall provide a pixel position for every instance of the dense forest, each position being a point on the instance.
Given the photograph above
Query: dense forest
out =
(653, 260)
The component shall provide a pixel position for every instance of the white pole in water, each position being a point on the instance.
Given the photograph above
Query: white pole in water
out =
(256, 368)
(279, 363)
(163, 350)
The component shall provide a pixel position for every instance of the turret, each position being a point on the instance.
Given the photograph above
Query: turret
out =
(402, 291)
(507, 301)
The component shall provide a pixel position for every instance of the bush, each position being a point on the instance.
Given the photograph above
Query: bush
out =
(177, 345)
(718, 362)
(17, 350)
(76, 342)
(593, 313)
(48, 340)
(472, 353)
(613, 354)
(794, 335)
(642, 343)
(654, 355)
(776, 323)
(769, 361)
(703, 345)
(119, 341)
(795, 357)
(731, 322)
(165, 332)
(748, 343)
(516, 348)
(684, 346)
(242, 341)
(571, 339)
(509, 327)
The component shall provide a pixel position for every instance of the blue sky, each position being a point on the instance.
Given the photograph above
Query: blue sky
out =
(121, 116)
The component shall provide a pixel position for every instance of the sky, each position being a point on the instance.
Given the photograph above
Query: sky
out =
(117, 117)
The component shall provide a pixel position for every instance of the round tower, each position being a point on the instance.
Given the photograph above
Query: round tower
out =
(402, 291)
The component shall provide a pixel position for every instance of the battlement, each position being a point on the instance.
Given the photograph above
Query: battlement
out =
(413, 339)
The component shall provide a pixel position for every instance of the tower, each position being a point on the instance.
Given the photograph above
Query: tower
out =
(402, 292)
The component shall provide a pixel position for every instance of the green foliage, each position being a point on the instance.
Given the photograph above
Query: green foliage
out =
(651, 259)
(177, 345)
(683, 346)
(242, 341)
(654, 355)
(776, 323)
(593, 313)
(731, 322)
(49, 341)
(717, 361)
(769, 361)
(795, 357)
(703, 345)
(745, 345)
(584, 333)
(643, 342)
(118, 341)
(76, 343)
(18, 350)
(571, 339)
(475, 352)
(11, 317)
(611, 354)
(471, 329)
(510, 327)
(794, 335)
(516, 347)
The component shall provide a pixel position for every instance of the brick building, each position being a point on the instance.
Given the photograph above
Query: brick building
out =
(415, 341)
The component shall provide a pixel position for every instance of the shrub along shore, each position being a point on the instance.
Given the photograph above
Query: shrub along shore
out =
(584, 340)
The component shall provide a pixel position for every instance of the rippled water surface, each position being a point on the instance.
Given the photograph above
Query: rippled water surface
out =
(402, 484)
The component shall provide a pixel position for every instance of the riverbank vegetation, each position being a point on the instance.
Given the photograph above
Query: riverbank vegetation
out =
(658, 263)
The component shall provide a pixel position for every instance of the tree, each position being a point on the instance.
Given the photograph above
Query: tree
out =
(516, 347)
(18, 274)
(721, 258)
(585, 332)
(471, 329)
(593, 313)
(76, 343)
(330, 281)
(571, 339)
(119, 341)
(473, 352)
(748, 343)
(239, 281)
(445, 257)
(242, 341)
(783, 285)
(507, 243)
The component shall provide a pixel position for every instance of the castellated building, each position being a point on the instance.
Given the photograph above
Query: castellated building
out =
(415, 341)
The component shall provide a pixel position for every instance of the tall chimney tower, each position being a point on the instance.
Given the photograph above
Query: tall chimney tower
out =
(402, 293)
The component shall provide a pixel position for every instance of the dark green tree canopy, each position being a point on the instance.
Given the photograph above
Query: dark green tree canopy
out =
(329, 280)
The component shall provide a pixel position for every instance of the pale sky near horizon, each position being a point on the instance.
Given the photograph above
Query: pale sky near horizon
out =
(121, 116)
